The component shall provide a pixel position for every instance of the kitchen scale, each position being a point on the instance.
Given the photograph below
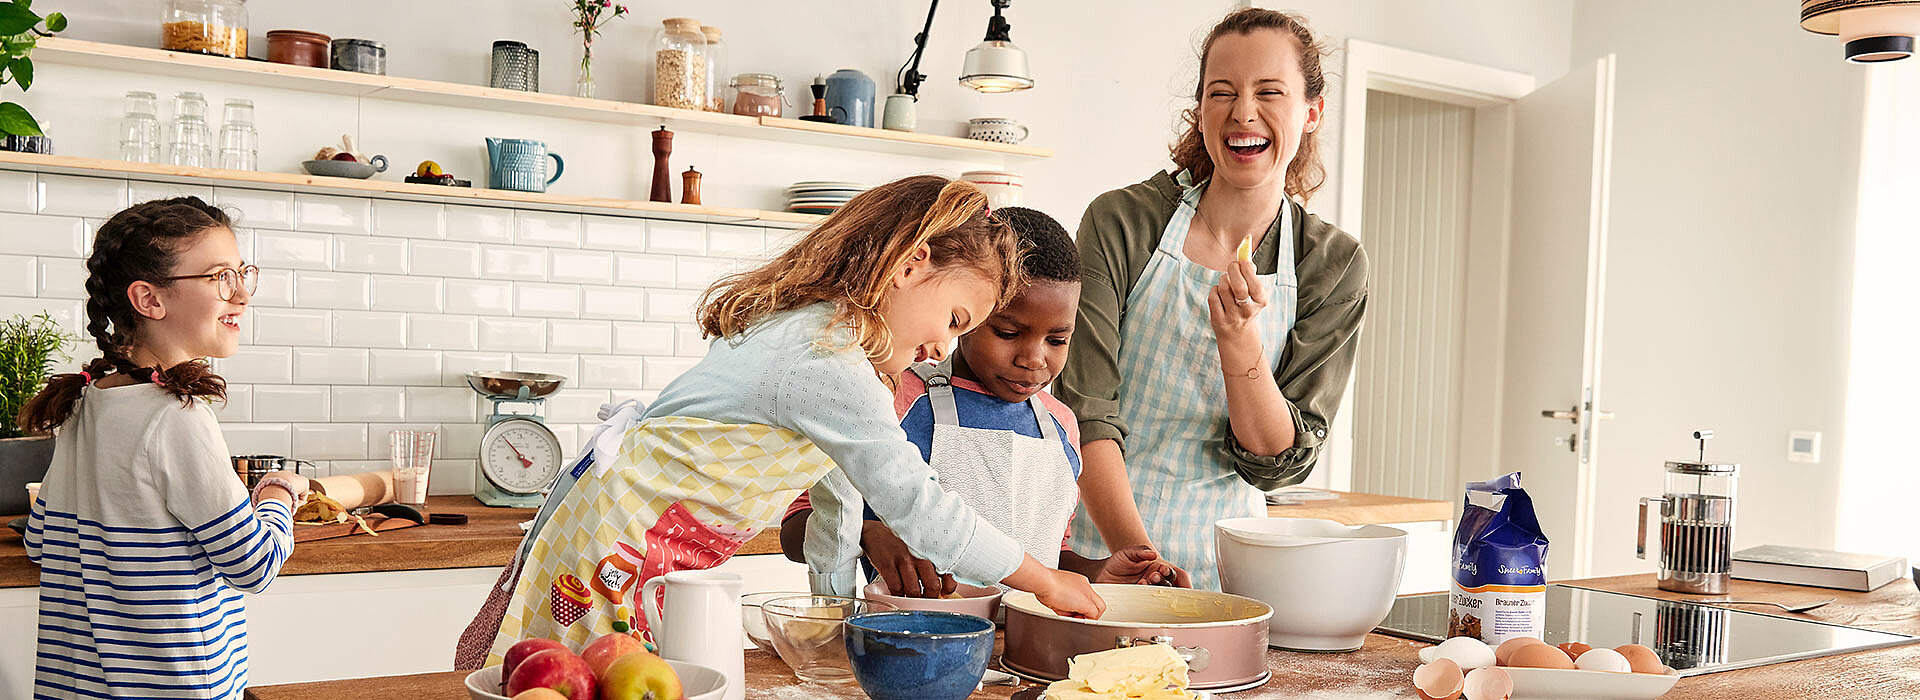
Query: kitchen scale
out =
(519, 455)
(1694, 639)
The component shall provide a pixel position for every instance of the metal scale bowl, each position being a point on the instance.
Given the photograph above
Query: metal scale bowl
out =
(519, 456)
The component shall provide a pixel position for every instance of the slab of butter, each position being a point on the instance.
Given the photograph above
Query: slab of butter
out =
(1147, 672)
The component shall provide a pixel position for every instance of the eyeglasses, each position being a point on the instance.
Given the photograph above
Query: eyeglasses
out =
(229, 279)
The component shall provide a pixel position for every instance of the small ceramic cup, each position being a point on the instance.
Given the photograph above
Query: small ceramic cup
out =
(996, 129)
(899, 114)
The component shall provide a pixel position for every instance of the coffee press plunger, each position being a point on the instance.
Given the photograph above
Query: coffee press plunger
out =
(1696, 524)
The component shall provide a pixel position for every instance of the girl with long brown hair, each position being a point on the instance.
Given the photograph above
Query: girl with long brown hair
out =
(789, 390)
(144, 537)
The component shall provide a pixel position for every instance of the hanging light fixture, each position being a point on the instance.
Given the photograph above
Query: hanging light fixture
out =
(996, 65)
(1875, 31)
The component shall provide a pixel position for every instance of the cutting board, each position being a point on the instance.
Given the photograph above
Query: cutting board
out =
(379, 523)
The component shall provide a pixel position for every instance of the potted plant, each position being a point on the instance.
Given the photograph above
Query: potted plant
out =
(19, 30)
(29, 347)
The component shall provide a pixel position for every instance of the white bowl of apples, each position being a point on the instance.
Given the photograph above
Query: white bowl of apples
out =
(613, 667)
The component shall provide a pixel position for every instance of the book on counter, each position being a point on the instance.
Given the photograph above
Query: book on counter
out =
(1802, 566)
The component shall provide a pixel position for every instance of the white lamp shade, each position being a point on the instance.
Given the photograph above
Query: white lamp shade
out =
(996, 66)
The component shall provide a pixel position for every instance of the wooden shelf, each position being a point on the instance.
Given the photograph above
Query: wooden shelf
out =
(137, 59)
(69, 165)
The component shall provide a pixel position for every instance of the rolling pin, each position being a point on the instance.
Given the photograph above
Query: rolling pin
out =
(356, 490)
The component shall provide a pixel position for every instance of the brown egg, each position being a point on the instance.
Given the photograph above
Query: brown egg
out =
(1504, 654)
(1575, 649)
(1540, 656)
(1642, 659)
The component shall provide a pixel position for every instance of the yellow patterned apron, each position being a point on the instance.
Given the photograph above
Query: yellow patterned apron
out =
(685, 493)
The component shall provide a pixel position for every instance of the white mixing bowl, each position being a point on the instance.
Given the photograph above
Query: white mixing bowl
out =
(1329, 584)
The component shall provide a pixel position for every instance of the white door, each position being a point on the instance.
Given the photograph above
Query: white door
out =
(1562, 138)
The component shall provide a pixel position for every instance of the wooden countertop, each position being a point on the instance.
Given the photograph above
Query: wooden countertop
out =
(1384, 666)
(488, 539)
(1367, 509)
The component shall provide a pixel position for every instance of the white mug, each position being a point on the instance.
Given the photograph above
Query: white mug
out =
(1003, 189)
(702, 622)
(996, 129)
(899, 115)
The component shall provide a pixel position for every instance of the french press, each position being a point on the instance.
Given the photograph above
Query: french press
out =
(1696, 524)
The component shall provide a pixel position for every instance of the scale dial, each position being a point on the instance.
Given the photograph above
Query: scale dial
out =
(520, 456)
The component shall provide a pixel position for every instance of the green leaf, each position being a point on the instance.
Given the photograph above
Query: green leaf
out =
(24, 3)
(56, 22)
(14, 119)
(19, 45)
(22, 70)
(15, 19)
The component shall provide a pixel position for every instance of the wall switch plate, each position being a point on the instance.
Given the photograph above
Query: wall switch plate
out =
(1803, 446)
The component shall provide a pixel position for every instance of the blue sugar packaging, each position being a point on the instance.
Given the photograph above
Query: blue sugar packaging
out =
(1499, 588)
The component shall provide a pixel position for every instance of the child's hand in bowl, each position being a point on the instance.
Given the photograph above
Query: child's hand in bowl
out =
(1140, 564)
(906, 575)
(1070, 595)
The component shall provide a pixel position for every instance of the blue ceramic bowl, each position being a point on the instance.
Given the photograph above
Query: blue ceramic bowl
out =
(918, 654)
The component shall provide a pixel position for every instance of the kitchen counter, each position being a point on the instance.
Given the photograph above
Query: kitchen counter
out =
(1383, 667)
(1367, 509)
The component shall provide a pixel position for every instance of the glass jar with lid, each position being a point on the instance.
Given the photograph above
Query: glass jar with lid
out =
(680, 65)
(757, 95)
(217, 27)
(716, 69)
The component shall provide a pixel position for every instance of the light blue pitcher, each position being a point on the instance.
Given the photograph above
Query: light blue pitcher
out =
(521, 164)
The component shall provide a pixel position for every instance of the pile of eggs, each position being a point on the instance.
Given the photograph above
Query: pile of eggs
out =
(1464, 666)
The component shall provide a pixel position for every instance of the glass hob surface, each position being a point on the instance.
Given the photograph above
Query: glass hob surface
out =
(1693, 639)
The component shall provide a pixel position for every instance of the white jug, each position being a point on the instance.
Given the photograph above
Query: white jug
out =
(702, 622)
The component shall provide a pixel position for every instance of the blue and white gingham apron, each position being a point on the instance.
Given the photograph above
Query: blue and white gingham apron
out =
(1173, 397)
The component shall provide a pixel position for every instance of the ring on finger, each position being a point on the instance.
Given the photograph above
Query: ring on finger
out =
(1247, 300)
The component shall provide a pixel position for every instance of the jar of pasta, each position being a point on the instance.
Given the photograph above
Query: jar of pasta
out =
(680, 65)
(216, 27)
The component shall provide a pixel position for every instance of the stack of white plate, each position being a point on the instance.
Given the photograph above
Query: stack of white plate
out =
(821, 196)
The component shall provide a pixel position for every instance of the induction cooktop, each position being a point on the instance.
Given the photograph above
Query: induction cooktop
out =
(1694, 639)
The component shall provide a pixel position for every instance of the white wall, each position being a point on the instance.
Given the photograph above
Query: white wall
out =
(1736, 142)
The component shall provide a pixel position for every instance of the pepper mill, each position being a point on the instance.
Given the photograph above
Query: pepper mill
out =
(690, 186)
(819, 89)
(662, 175)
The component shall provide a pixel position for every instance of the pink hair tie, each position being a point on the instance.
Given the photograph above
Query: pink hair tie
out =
(88, 377)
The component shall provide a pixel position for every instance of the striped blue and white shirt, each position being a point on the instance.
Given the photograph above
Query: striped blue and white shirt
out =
(145, 541)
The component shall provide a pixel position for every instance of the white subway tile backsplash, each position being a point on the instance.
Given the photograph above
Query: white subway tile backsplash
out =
(482, 224)
(513, 334)
(441, 404)
(256, 366)
(290, 326)
(17, 274)
(450, 477)
(443, 332)
(258, 438)
(403, 368)
(330, 441)
(63, 278)
(613, 302)
(661, 370)
(459, 440)
(369, 329)
(364, 404)
(142, 191)
(576, 405)
(370, 254)
(408, 219)
(735, 241)
(343, 467)
(331, 214)
(643, 338)
(580, 336)
(688, 343)
(276, 289)
(18, 191)
(456, 365)
(256, 208)
(65, 313)
(444, 259)
(380, 439)
(546, 300)
(610, 372)
(332, 290)
(672, 307)
(563, 365)
(329, 366)
(238, 406)
(578, 266)
(291, 250)
(546, 228)
(645, 270)
(483, 297)
(74, 195)
(502, 262)
(615, 233)
(682, 237)
(699, 273)
(275, 403)
(395, 293)
(58, 236)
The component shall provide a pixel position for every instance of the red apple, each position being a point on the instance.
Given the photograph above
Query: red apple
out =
(603, 651)
(640, 676)
(540, 694)
(525, 648)
(558, 669)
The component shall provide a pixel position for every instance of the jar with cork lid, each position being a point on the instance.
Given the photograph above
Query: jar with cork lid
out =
(680, 65)
(216, 27)
(716, 69)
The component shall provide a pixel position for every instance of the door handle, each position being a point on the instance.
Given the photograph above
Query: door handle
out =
(1573, 414)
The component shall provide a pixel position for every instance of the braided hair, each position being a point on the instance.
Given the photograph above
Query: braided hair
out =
(141, 243)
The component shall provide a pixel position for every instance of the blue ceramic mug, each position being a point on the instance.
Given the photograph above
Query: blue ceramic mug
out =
(918, 654)
(521, 164)
(850, 98)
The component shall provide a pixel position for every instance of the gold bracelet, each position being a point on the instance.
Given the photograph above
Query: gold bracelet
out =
(1251, 373)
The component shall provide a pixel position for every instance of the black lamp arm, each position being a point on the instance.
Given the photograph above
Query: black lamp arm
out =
(910, 76)
(997, 27)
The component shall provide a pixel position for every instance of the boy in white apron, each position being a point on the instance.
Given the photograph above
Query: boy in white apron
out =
(993, 436)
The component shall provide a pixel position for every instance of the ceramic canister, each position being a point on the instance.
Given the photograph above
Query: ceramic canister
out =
(850, 96)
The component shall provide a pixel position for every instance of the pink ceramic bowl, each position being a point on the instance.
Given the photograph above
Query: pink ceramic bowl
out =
(980, 601)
